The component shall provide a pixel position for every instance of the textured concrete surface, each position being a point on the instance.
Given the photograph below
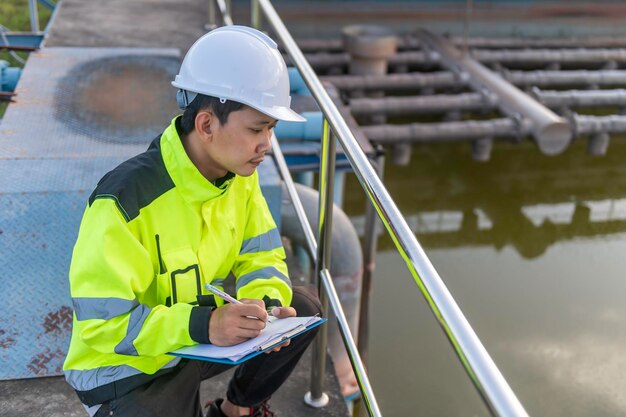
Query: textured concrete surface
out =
(137, 23)
(53, 397)
(178, 23)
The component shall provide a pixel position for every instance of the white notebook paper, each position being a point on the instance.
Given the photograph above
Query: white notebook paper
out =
(276, 331)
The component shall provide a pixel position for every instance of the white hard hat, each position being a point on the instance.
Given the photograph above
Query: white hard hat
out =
(241, 64)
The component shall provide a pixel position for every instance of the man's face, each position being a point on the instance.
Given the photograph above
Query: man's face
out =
(239, 146)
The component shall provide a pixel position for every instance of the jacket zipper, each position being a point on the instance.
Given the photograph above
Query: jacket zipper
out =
(162, 268)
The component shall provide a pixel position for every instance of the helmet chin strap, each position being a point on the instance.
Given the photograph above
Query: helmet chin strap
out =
(184, 98)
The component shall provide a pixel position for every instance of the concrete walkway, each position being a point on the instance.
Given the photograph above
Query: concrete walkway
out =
(53, 397)
(144, 24)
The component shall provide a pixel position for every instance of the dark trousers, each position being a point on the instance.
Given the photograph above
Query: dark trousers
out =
(178, 393)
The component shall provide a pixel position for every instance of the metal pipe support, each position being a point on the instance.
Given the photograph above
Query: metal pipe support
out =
(370, 244)
(34, 16)
(551, 132)
(326, 190)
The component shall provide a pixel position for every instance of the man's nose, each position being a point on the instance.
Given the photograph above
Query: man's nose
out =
(266, 144)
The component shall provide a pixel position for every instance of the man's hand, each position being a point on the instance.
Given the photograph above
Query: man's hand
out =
(281, 313)
(231, 324)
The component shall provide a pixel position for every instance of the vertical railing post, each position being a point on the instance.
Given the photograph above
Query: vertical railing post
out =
(255, 14)
(212, 23)
(317, 397)
(370, 243)
(34, 16)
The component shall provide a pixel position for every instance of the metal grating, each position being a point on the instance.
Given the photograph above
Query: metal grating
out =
(77, 115)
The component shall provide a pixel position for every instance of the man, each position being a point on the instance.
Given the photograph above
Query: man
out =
(187, 212)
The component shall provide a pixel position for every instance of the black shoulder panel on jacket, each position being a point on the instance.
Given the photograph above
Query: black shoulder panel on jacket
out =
(135, 183)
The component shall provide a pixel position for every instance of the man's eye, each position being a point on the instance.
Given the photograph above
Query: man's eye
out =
(256, 130)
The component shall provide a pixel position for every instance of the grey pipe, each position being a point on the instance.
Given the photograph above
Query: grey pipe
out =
(411, 42)
(395, 82)
(546, 56)
(446, 79)
(599, 42)
(417, 105)
(322, 60)
(551, 132)
(581, 98)
(441, 103)
(473, 130)
(447, 131)
(586, 125)
(481, 369)
(566, 78)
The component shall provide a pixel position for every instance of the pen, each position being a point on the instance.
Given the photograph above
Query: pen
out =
(222, 294)
(225, 296)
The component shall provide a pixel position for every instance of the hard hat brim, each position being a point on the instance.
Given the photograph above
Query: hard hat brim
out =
(281, 113)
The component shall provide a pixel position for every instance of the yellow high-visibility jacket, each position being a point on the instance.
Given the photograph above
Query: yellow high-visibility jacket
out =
(154, 232)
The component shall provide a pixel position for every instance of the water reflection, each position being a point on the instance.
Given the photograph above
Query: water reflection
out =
(528, 204)
(529, 229)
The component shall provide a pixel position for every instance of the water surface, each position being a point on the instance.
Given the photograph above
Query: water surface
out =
(533, 248)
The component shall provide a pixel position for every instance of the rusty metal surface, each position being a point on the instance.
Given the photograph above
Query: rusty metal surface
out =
(122, 99)
(35, 246)
(53, 118)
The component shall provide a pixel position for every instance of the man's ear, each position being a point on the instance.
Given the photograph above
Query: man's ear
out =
(204, 124)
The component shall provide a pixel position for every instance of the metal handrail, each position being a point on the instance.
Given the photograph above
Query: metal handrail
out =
(224, 6)
(329, 288)
(488, 380)
(496, 393)
(34, 16)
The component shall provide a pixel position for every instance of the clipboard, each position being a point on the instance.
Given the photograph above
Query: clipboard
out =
(276, 333)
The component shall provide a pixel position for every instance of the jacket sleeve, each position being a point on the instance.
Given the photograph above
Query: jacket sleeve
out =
(260, 267)
(111, 275)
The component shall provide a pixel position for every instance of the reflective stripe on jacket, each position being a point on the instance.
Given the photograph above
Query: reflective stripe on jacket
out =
(154, 232)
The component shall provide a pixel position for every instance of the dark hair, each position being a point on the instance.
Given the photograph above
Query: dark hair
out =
(202, 102)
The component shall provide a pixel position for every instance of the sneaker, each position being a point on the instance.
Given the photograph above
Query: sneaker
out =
(215, 409)
(262, 410)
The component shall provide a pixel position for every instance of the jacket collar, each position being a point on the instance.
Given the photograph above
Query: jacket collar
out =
(194, 187)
